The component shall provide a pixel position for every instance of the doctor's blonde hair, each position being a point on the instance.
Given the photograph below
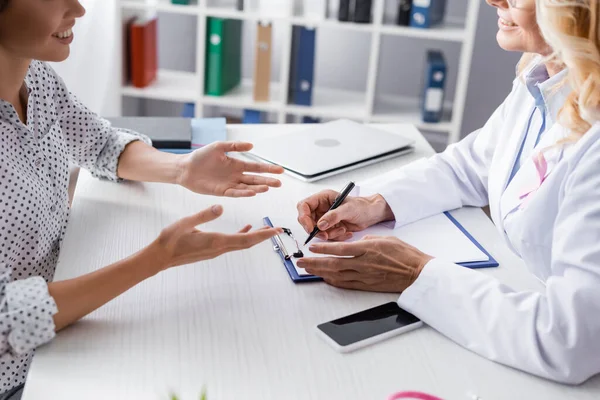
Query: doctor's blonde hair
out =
(571, 28)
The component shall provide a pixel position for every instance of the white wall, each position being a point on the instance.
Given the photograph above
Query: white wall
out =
(492, 72)
(88, 72)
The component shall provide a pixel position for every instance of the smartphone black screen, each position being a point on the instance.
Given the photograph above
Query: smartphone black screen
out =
(368, 323)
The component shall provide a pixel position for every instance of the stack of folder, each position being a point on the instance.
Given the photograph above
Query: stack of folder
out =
(425, 14)
(302, 66)
(355, 10)
(142, 51)
(223, 55)
(262, 66)
(432, 104)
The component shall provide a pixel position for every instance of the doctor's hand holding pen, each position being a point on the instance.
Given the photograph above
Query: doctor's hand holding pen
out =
(375, 263)
(353, 215)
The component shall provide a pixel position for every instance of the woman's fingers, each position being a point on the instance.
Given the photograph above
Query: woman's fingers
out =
(244, 190)
(246, 240)
(203, 216)
(257, 168)
(234, 146)
(260, 180)
(245, 229)
(254, 188)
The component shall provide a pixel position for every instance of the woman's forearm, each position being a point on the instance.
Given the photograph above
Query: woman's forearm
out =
(75, 298)
(141, 162)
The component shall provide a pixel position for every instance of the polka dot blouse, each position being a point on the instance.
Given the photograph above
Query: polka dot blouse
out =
(34, 205)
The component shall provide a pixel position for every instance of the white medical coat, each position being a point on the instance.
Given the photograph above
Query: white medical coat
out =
(556, 232)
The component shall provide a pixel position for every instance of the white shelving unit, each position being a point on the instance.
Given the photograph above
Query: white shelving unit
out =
(327, 102)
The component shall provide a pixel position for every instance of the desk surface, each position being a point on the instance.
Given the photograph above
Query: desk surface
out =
(237, 325)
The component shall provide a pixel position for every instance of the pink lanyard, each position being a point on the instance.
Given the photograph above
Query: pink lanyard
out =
(413, 395)
(541, 166)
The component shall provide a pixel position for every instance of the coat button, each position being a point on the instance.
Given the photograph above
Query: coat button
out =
(38, 162)
(53, 208)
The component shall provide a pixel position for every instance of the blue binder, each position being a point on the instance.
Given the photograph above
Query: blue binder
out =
(427, 13)
(189, 110)
(289, 266)
(302, 66)
(432, 101)
(252, 117)
(311, 120)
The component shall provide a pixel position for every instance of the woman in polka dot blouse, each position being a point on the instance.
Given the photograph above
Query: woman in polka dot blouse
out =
(44, 128)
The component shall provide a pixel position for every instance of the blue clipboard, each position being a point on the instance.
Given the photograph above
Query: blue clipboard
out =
(289, 266)
(177, 151)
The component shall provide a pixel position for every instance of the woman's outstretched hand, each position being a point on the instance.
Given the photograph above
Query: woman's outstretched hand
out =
(182, 243)
(210, 170)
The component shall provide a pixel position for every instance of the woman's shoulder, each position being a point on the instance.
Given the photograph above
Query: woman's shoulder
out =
(41, 72)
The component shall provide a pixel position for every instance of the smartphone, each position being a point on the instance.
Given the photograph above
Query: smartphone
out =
(367, 327)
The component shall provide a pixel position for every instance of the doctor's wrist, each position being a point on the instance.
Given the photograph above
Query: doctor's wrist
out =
(382, 211)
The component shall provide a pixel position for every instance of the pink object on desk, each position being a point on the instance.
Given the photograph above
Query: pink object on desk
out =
(413, 395)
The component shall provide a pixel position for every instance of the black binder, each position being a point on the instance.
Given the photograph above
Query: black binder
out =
(362, 11)
(344, 10)
(355, 10)
(403, 17)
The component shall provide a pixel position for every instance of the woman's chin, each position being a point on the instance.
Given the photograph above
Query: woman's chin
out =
(508, 42)
(56, 55)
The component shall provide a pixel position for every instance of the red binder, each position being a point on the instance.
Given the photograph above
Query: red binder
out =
(143, 57)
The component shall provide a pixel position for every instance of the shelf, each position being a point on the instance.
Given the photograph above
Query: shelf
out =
(332, 23)
(243, 97)
(160, 5)
(333, 103)
(169, 85)
(229, 13)
(450, 30)
(222, 12)
(390, 109)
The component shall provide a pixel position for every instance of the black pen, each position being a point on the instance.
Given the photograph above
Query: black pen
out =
(338, 202)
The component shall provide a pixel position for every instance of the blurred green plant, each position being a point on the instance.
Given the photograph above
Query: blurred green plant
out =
(202, 396)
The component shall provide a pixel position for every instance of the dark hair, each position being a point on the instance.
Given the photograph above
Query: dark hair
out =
(3, 4)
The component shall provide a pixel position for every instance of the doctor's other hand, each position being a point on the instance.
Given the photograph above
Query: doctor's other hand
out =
(210, 170)
(182, 243)
(354, 215)
(374, 264)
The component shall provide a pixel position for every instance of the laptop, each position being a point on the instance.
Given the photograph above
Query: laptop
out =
(324, 150)
(165, 132)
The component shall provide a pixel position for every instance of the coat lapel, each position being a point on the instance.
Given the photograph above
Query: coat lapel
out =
(529, 177)
(505, 158)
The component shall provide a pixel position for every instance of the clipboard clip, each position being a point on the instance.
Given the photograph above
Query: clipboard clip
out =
(280, 247)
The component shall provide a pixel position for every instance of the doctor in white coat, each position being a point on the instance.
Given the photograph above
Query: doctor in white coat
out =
(536, 163)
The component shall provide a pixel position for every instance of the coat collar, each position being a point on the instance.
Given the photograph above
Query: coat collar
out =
(548, 93)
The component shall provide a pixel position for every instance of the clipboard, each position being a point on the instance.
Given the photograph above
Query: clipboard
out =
(296, 278)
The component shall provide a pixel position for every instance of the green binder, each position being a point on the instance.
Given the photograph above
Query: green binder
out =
(223, 55)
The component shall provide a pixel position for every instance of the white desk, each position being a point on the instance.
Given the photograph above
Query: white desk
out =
(237, 324)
